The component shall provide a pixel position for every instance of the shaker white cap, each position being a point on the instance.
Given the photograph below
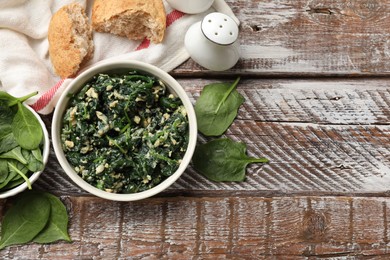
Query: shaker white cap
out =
(220, 28)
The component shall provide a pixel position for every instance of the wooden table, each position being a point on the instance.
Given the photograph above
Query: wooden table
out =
(315, 76)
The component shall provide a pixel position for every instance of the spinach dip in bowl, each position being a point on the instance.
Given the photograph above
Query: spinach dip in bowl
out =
(124, 132)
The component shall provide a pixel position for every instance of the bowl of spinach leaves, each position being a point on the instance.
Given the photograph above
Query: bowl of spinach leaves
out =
(24, 145)
(124, 130)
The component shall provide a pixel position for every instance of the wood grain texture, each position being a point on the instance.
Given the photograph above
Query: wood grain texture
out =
(220, 228)
(325, 136)
(310, 37)
(328, 136)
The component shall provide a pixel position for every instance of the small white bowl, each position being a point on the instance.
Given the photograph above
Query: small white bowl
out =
(191, 6)
(173, 86)
(45, 157)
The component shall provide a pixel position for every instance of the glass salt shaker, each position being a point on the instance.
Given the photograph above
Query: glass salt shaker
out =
(212, 42)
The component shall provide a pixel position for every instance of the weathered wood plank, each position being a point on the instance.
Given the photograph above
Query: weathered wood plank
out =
(321, 136)
(220, 228)
(310, 37)
(320, 101)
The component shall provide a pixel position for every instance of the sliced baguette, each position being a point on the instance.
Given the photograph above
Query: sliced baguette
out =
(134, 19)
(70, 40)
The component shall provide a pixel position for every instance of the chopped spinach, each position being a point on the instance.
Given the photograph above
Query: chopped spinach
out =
(217, 107)
(223, 160)
(124, 133)
(21, 137)
(35, 216)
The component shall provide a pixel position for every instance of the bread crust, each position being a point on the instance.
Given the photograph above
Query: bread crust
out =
(65, 54)
(107, 13)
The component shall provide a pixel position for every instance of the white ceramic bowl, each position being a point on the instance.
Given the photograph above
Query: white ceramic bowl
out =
(191, 6)
(173, 86)
(45, 157)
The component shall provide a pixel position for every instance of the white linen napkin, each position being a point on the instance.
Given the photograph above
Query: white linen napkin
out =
(25, 65)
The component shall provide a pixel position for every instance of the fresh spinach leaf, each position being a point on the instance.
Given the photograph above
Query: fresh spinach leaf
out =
(25, 219)
(37, 217)
(3, 170)
(6, 114)
(11, 100)
(217, 107)
(20, 166)
(16, 168)
(26, 128)
(19, 129)
(223, 160)
(14, 179)
(7, 99)
(15, 154)
(13, 183)
(33, 164)
(10, 177)
(7, 142)
(37, 153)
(57, 226)
(5, 129)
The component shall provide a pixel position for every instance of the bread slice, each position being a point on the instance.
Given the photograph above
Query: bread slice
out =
(70, 40)
(134, 19)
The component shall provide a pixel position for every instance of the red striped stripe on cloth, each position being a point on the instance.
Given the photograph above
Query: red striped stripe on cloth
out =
(45, 99)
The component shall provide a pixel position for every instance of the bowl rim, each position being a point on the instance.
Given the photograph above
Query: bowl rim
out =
(78, 83)
(45, 156)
